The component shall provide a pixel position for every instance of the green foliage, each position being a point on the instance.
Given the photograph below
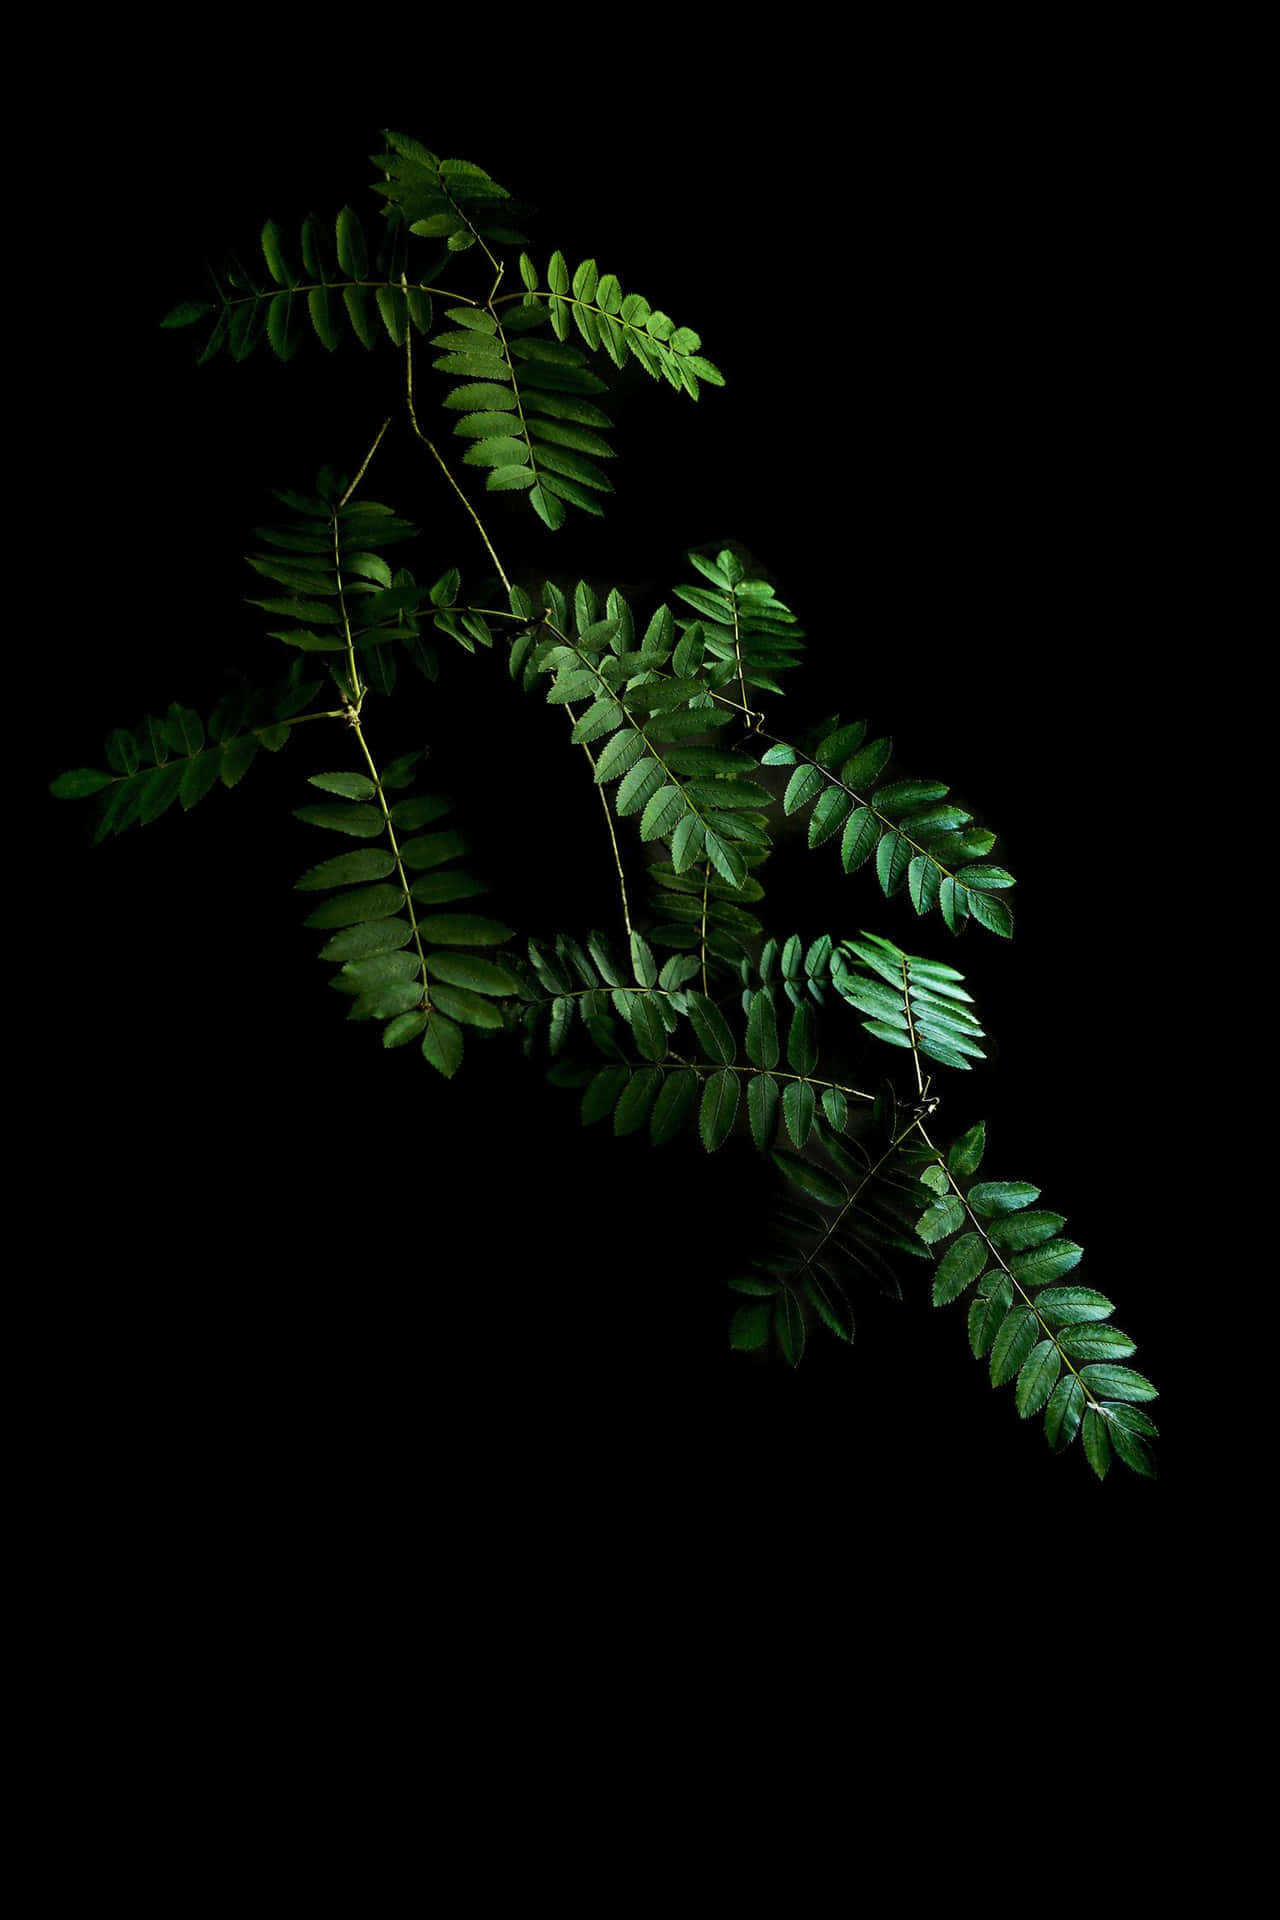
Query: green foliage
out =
(698, 1025)
(1054, 1343)
(921, 842)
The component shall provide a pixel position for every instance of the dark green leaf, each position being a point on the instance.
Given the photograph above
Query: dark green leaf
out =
(1013, 1343)
(959, 1268)
(1001, 1196)
(1037, 1377)
(719, 1105)
(673, 1103)
(1062, 1415)
(1106, 1382)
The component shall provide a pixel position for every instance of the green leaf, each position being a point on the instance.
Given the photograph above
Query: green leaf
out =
(442, 1044)
(863, 770)
(353, 257)
(79, 784)
(802, 1048)
(1097, 1446)
(810, 1179)
(367, 938)
(648, 1027)
(893, 859)
(762, 1109)
(861, 832)
(644, 966)
(463, 970)
(987, 1311)
(1025, 1229)
(712, 1029)
(762, 1030)
(463, 930)
(1039, 1265)
(673, 1103)
(353, 786)
(797, 1110)
(719, 1106)
(1001, 1196)
(1037, 1377)
(965, 1156)
(349, 869)
(366, 823)
(959, 1268)
(1072, 1305)
(941, 1220)
(821, 1301)
(788, 1326)
(803, 785)
(1106, 1382)
(1091, 1341)
(638, 1096)
(363, 903)
(991, 913)
(1063, 1413)
(750, 1327)
(1013, 1343)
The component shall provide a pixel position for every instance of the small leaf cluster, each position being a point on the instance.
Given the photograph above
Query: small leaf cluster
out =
(413, 969)
(339, 591)
(915, 1003)
(742, 622)
(646, 702)
(525, 409)
(1054, 1341)
(450, 200)
(623, 324)
(176, 756)
(333, 291)
(920, 840)
(850, 1230)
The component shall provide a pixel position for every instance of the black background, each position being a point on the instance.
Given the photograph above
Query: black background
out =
(301, 1285)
